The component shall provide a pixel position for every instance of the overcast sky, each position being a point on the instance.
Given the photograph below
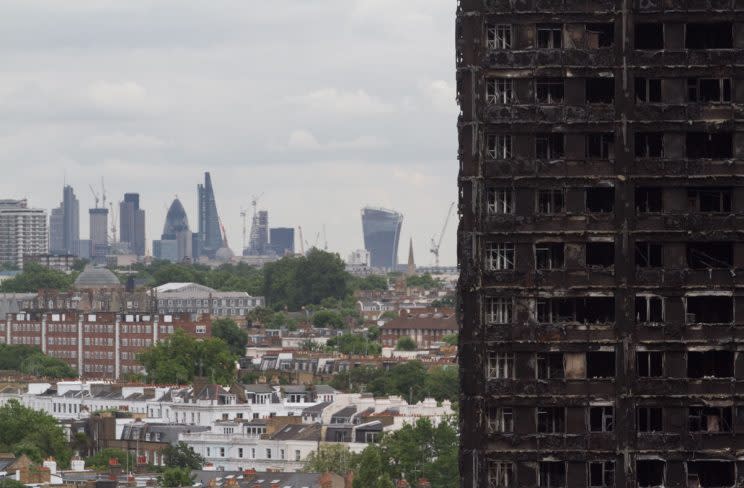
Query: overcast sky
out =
(324, 106)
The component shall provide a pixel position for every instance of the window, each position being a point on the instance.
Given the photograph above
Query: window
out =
(600, 90)
(499, 36)
(602, 474)
(298, 456)
(499, 146)
(498, 310)
(222, 452)
(649, 36)
(501, 420)
(648, 90)
(240, 452)
(649, 309)
(501, 474)
(268, 453)
(716, 200)
(710, 364)
(499, 256)
(649, 364)
(713, 35)
(649, 144)
(549, 90)
(650, 473)
(549, 36)
(581, 309)
(600, 364)
(709, 90)
(499, 91)
(500, 201)
(600, 35)
(648, 255)
(708, 474)
(709, 310)
(600, 254)
(716, 145)
(600, 199)
(552, 474)
(549, 365)
(601, 419)
(710, 255)
(501, 366)
(600, 146)
(551, 420)
(551, 201)
(649, 419)
(709, 419)
(549, 146)
(549, 255)
(648, 200)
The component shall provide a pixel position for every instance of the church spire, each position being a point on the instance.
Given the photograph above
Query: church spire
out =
(411, 263)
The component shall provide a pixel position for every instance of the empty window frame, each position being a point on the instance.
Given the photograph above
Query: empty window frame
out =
(711, 474)
(551, 474)
(501, 366)
(499, 146)
(649, 309)
(602, 474)
(600, 35)
(600, 90)
(710, 364)
(649, 36)
(650, 473)
(714, 145)
(649, 144)
(710, 255)
(551, 420)
(709, 35)
(713, 200)
(551, 201)
(499, 36)
(648, 90)
(648, 200)
(600, 254)
(649, 419)
(499, 91)
(499, 310)
(711, 309)
(549, 365)
(648, 255)
(709, 90)
(600, 146)
(600, 199)
(501, 420)
(549, 36)
(601, 419)
(549, 90)
(586, 310)
(500, 201)
(499, 256)
(549, 255)
(549, 146)
(709, 419)
(501, 474)
(600, 364)
(650, 364)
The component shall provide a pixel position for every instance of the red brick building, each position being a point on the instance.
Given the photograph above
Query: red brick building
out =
(424, 328)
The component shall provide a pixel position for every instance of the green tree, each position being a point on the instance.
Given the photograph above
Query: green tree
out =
(354, 344)
(100, 460)
(451, 339)
(423, 281)
(443, 383)
(175, 477)
(33, 432)
(36, 277)
(334, 458)
(405, 343)
(371, 282)
(39, 364)
(259, 316)
(328, 318)
(405, 379)
(235, 337)
(389, 315)
(11, 483)
(182, 456)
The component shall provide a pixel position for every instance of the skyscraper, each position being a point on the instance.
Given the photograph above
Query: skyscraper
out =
(599, 243)
(210, 234)
(98, 234)
(57, 230)
(71, 220)
(258, 243)
(132, 224)
(282, 240)
(381, 230)
(23, 231)
(176, 241)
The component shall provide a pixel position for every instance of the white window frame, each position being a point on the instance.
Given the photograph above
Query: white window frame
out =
(500, 201)
(499, 91)
(501, 366)
(499, 36)
(499, 146)
(499, 310)
(501, 474)
(501, 420)
(608, 471)
(500, 256)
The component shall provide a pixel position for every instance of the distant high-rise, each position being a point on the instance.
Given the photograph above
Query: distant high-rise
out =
(57, 231)
(132, 224)
(175, 243)
(381, 229)
(210, 234)
(98, 234)
(71, 220)
(282, 240)
(258, 244)
(23, 231)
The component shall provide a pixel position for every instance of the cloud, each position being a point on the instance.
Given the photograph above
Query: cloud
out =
(120, 140)
(125, 96)
(441, 95)
(357, 102)
(305, 140)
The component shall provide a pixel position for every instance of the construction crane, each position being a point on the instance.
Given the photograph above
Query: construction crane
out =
(437, 243)
(325, 239)
(95, 195)
(113, 223)
(302, 243)
(243, 215)
(254, 203)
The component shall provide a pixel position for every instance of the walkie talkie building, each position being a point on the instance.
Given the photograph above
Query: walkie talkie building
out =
(381, 229)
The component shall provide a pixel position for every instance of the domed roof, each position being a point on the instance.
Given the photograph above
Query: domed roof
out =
(175, 221)
(93, 277)
(224, 254)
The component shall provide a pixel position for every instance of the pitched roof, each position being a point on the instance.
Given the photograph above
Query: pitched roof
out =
(298, 432)
(422, 322)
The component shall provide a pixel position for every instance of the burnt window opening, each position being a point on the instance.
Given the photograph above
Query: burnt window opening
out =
(709, 419)
(709, 90)
(650, 473)
(648, 90)
(499, 146)
(601, 419)
(600, 199)
(710, 255)
(499, 36)
(501, 420)
(552, 474)
(550, 366)
(649, 144)
(649, 36)
(551, 420)
(500, 366)
(716, 145)
(711, 474)
(648, 255)
(648, 200)
(499, 91)
(712, 35)
(549, 36)
(500, 201)
(549, 90)
(710, 364)
(549, 255)
(551, 201)
(649, 419)
(650, 364)
(501, 474)
(715, 200)
(709, 310)
(602, 474)
(600, 364)
(600, 35)
(587, 310)
(600, 90)
(600, 254)
(600, 146)
(499, 256)
(549, 146)
(499, 310)
(649, 309)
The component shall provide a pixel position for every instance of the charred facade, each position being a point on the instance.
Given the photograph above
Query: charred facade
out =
(601, 202)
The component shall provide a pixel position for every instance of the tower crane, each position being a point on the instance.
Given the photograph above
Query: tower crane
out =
(437, 243)
(302, 243)
(243, 215)
(103, 194)
(95, 195)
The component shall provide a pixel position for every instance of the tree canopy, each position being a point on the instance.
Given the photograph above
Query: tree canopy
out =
(235, 337)
(100, 460)
(182, 456)
(31, 432)
(354, 344)
(334, 458)
(175, 477)
(36, 277)
(30, 360)
(422, 281)
(328, 319)
(405, 343)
